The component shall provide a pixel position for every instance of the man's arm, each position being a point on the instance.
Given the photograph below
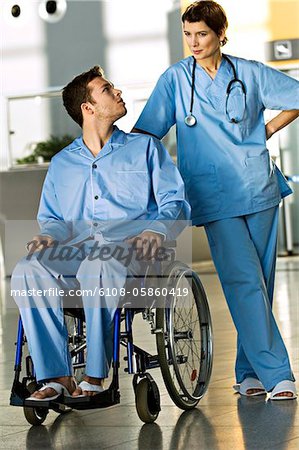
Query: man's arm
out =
(50, 217)
(158, 115)
(169, 191)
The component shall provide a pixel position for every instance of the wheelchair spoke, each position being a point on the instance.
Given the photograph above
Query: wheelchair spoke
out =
(188, 341)
(187, 347)
(186, 376)
(190, 357)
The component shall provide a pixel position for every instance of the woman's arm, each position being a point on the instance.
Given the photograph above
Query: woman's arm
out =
(158, 115)
(283, 119)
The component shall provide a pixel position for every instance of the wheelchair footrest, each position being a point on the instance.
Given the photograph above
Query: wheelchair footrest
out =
(18, 394)
(49, 404)
(103, 399)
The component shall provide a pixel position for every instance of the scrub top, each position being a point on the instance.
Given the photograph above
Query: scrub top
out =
(225, 166)
(132, 185)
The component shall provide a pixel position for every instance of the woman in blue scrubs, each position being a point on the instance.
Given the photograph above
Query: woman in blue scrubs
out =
(217, 102)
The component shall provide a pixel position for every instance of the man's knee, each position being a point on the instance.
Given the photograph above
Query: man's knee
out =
(24, 266)
(28, 268)
(36, 263)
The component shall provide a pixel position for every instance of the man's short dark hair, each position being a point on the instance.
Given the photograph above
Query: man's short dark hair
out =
(77, 92)
(209, 12)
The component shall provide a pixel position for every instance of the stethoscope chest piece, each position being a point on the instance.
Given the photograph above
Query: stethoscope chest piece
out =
(190, 120)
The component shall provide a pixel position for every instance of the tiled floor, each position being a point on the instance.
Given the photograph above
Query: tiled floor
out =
(222, 419)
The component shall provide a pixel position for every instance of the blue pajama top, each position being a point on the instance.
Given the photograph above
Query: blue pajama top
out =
(132, 185)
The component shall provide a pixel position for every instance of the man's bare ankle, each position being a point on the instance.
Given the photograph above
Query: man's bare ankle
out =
(67, 381)
(93, 380)
(65, 378)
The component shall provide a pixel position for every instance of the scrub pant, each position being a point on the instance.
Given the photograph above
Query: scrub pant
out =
(43, 317)
(244, 252)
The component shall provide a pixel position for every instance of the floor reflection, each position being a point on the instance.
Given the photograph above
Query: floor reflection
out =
(266, 423)
(71, 430)
(193, 428)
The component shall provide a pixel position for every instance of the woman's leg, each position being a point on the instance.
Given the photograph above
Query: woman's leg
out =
(242, 277)
(262, 227)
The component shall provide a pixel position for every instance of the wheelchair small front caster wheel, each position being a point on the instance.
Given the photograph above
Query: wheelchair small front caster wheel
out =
(147, 400)
(35, 416)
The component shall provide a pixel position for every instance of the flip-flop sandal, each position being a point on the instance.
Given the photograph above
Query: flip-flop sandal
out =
(86, 386)
(58, 387)
(250, 383)
(284, 386)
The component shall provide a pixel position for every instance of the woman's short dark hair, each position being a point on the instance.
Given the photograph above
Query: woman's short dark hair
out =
(209, 12)
(77, 92)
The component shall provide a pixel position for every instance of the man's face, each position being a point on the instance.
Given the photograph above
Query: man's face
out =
(107, 102)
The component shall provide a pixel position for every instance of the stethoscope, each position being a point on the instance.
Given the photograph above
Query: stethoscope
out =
(190, 119)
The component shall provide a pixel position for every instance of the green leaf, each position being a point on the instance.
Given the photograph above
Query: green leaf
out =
(47, 149)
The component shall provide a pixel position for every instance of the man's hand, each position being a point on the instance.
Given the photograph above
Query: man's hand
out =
(147, 243)
(39, 242)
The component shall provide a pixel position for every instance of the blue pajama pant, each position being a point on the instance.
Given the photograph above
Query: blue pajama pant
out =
(244, 252)
(43, 317)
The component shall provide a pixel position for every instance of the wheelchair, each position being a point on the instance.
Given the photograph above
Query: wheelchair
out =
(184, 343)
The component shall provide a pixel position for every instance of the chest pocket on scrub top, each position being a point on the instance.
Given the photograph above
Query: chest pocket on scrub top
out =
(131, 188)
(235, 105)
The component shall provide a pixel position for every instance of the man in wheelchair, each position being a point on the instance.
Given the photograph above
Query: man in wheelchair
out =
(107, 189)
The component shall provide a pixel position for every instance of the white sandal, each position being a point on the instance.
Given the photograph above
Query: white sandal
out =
(58, 387)
(86, 386)
(250, 383)
(284, 386)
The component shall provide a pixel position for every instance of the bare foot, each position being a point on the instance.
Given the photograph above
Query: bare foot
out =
(68, 382)
(253, 391)
(91, 380)
(284, 394)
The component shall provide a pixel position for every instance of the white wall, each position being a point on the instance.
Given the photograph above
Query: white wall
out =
(137, 46)
(247, 30)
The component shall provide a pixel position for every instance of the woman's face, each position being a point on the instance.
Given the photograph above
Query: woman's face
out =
(202, 40)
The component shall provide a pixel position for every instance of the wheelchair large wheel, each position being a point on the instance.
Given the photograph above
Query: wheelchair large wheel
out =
(35, 416)
(184, 337)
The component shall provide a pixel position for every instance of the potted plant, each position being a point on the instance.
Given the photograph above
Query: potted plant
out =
(45, 150)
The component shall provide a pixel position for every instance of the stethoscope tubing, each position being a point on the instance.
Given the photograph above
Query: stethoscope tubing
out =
(190, 119)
